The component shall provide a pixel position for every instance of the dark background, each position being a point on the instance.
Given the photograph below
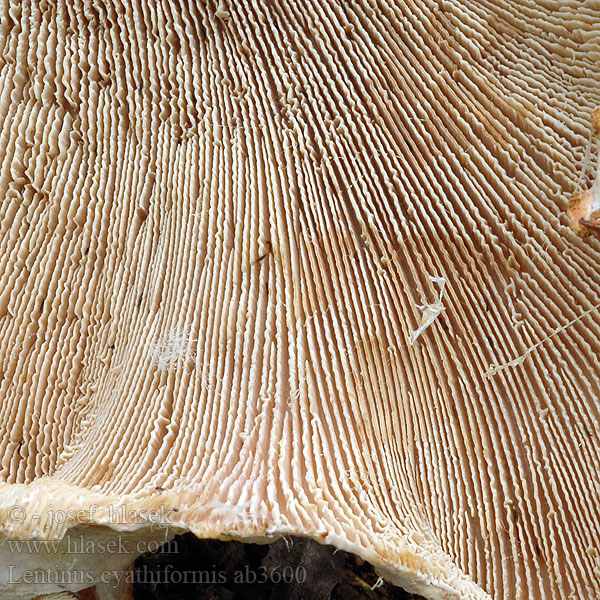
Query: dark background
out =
(289, 569)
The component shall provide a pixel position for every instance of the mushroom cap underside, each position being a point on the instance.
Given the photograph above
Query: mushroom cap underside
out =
(273, 268)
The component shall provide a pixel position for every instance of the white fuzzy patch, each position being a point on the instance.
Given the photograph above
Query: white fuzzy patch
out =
(166, 354)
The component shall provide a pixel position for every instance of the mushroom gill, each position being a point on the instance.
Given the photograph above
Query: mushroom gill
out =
(223, 225)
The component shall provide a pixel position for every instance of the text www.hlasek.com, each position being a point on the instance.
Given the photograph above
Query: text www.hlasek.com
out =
(81, 545)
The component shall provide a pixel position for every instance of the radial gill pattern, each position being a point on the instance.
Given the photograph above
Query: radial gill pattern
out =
(293, 267)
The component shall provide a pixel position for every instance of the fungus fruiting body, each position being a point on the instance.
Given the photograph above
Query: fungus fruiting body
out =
(217, 223)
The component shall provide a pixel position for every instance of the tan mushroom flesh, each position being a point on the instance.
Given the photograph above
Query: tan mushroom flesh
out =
(317, 269)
